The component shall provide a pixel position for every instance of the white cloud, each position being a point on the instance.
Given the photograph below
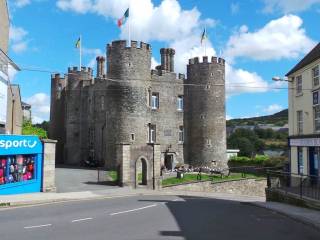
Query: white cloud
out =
(273, 108)
(235, 7)
(19, 47)
(21, 3)
(18, 40)
(241, 81)
(280, 38)
(17, 34)
(40, 107)
(154, 63)
(288, 6)
(79, 6)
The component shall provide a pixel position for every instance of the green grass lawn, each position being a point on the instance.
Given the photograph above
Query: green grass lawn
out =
(192, 177)
(113, 175)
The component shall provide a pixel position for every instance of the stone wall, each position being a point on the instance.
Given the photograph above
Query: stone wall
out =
(48, 174)
(248, 187)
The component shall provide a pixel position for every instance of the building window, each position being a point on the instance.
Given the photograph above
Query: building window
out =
(181, 134)
(315, 98)
(315, 76)
(299, 84)
(300, 122)
(152, 133)
(102, 102)
(316, 116)
(133, 137)
(300, 160)
(155, 100)
(180, 103)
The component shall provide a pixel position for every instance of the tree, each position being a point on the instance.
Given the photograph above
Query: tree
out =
(28, 129)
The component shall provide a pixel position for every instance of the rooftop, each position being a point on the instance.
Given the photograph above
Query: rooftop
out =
(313, 55)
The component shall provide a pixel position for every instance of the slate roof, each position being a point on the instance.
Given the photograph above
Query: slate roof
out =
(313, 55)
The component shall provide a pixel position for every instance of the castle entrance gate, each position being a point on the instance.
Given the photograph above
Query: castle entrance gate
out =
(141, 172)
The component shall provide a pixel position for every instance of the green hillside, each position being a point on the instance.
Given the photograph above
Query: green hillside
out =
(278, 119)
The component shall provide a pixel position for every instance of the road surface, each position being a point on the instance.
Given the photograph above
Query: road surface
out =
(150, 217)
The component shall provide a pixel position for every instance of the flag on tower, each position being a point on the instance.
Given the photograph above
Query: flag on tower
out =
(122, 20)
(78, 42)
(204, 35)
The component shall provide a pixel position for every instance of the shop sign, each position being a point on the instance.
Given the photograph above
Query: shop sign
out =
(305, 142)
(19, 144)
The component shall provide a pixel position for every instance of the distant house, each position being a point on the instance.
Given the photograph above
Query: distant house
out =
(304, 114)
(26, 108)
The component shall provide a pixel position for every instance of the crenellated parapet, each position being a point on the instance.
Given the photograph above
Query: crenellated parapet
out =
(205, 60)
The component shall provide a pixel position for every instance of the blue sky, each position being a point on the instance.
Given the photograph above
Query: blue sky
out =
(258, 38)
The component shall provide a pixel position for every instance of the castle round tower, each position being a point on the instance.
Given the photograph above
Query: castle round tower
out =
(128, 115)
(205, 120)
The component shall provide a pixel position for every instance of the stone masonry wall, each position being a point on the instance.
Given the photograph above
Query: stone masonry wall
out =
(247, 187)
(49, 151)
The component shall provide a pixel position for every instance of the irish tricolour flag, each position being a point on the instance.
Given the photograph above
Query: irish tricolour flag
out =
(122, 20)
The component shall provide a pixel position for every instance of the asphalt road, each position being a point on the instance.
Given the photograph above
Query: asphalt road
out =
(150, 217)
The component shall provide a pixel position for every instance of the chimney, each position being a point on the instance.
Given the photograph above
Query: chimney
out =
(100, 66)
(167, 59)
(171, 57)
(164, 58)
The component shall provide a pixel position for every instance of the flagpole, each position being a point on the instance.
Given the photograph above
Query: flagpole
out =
(205, 41)
(129, 26)
(80, 49)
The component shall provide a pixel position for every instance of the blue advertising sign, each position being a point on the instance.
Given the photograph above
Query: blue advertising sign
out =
(19, 144)
(20, 164)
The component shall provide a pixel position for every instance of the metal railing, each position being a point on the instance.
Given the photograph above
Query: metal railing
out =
(299, 184)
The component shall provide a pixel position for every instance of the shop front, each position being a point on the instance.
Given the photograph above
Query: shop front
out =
(307, 155)
(20, 164)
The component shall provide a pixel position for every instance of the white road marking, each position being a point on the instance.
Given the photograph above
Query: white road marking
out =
(133, 210)
(81, 219)
(38, 226)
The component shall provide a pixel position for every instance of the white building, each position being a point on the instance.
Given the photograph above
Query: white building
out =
(10, 101)
(304, 114)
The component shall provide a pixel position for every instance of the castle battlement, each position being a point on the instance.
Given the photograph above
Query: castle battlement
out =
(122, 44)
(83, 69)
(206, 60)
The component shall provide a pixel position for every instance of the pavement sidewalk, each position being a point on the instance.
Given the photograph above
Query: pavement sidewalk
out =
(304, 215)
(44, 198)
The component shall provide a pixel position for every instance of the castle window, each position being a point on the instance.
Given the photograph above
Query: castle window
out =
(133, 137)
(102, 102)
(180, 103)
(181, 134)
(152, 133)
(155, 100)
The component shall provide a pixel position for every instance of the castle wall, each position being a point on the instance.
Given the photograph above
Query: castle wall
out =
(167, 117)
(205, 113)
(75, 111)
(91, 118)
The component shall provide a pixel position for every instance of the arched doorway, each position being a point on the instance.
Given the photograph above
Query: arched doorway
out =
(141, 172)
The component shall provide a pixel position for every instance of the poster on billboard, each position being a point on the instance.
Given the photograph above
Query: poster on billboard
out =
(3, 100)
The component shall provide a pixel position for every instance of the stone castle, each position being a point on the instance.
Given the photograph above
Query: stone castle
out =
(131, 116)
